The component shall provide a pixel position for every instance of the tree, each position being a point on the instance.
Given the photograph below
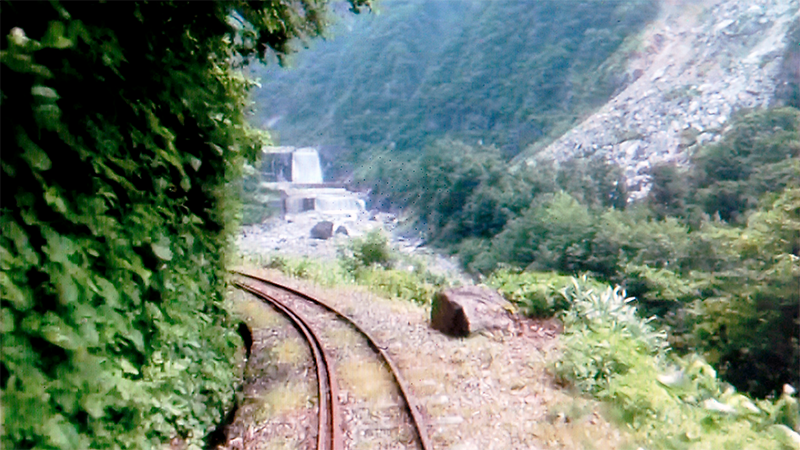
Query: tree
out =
(123, 123)
(434, 69)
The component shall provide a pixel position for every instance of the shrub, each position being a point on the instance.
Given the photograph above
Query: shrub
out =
(747, 324)
(606, 337)
(554, 235)
(539, 294)
(364, 252)
(669, 402)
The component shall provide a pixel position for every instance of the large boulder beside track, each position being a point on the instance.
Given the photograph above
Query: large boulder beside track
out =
(468, 309)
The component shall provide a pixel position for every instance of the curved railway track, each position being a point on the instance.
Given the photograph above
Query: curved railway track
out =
(330, 426)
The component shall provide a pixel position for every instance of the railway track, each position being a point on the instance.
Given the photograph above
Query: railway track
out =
(330, 424)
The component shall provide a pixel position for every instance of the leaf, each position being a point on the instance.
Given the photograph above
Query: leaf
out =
(55, 200)
(11, 292)
(45, 92)
(195, 163)
(108, 291)
(161, 249)
(33, 154)
(57, 430)
(55, 36)
(127, 367)
(6, 321)
(94, 405)
(67, 289)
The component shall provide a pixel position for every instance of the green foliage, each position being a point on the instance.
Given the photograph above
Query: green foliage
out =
(759, 153)
(748, 322)
(397, 283)
(425, 70)
(555, 235)
(733, 302)
(363, 253)
(113, 226)
(613, 354)
(461, 194)
(367, 261)
(371, 262)
(456, 190)
(322, 272)
(539, 294)
(669, 191)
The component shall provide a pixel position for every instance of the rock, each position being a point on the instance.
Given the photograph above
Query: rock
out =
(468, 309)
(342, 230)
(322, 230)
(450, 420)
(692, 76)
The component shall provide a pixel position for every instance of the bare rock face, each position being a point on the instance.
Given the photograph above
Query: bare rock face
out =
(468, 309)
(322, 230)
(342, 230)
(697, 66)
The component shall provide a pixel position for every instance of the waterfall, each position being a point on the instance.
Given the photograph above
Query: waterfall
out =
(305, 166)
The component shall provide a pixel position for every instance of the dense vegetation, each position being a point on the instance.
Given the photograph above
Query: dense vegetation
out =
(712, 251)
(668, 401)
(123, 124)
(505, 72)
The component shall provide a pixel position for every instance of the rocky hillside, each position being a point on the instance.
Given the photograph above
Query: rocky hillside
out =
(699, 63)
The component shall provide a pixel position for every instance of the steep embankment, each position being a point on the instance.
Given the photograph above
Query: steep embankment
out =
(698, 65)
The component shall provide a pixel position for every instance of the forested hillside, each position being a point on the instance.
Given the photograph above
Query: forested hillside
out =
(503, 72)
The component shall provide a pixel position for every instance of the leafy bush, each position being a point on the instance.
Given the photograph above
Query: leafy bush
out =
(747, 324)
(670, 403)
(370, 261)
(360, 263)
(326, 273)
(759, 154)
(114, 217)
(457, 190)
(539, 294)
(606, 337)
(554, 235)
(364, 252)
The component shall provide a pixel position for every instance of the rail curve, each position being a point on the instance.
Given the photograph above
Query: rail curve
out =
(329, 428)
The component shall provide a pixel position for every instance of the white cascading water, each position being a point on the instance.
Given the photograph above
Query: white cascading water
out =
(334, 203)
(305, 167)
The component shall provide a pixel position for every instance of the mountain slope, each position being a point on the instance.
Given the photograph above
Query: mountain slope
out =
(503, 72)
(699, 64)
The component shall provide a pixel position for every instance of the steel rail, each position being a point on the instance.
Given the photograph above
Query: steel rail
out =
(329, 436)
(411, 403)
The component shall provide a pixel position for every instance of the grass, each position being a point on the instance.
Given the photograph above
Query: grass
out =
(289, 351)
(366, 380)
(285, 398)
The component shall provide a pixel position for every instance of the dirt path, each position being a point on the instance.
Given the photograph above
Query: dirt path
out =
(490, 391)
